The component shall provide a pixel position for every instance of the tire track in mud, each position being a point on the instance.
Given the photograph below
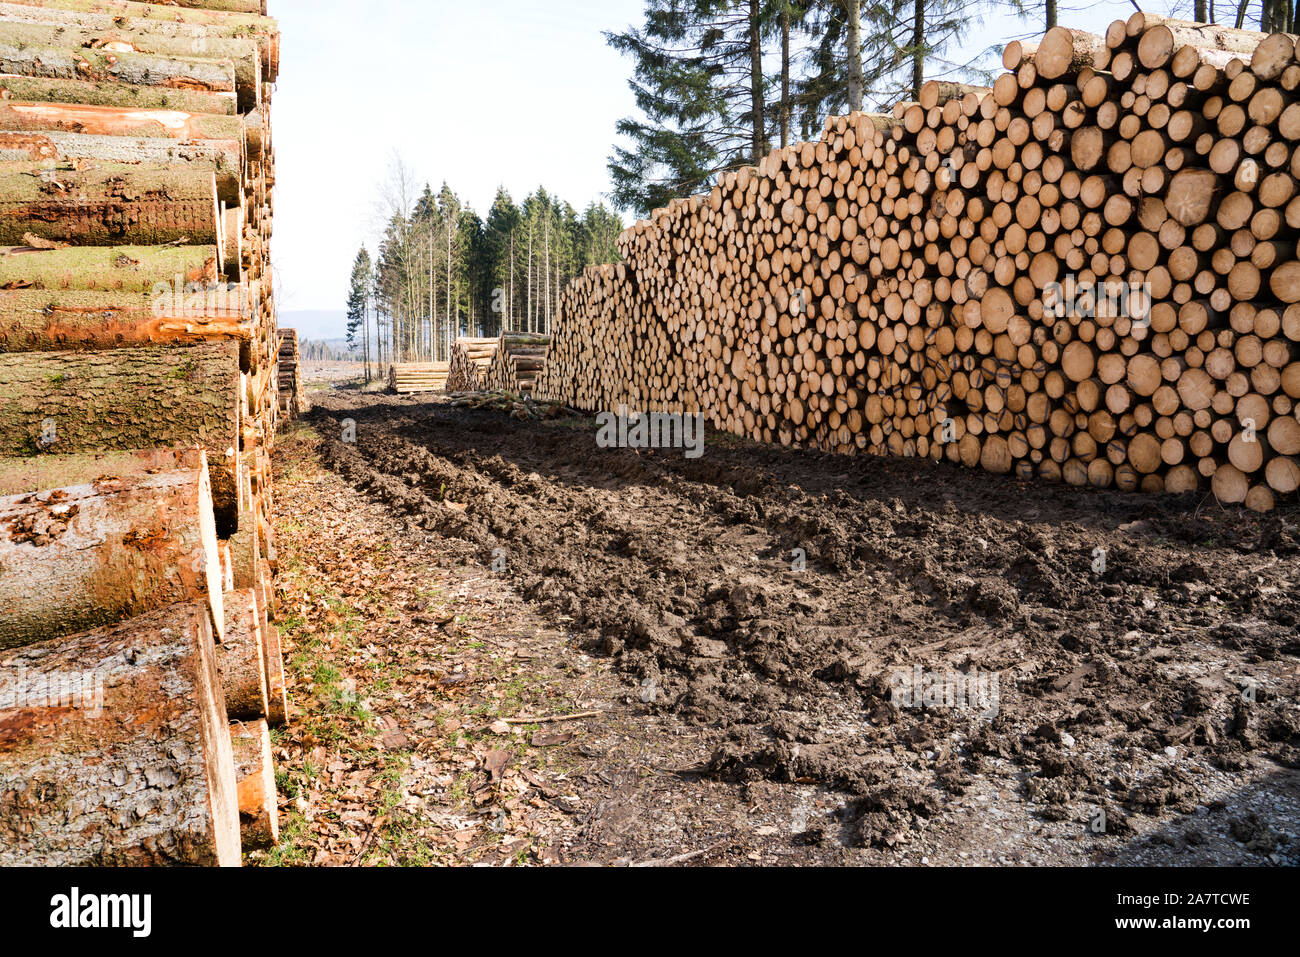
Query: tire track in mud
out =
(681, 570)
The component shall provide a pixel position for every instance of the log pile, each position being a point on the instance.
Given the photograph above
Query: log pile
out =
(292, 395)
(405, 378)
(470, 361)
(138, 405)
(1086, 273)
(517, 362)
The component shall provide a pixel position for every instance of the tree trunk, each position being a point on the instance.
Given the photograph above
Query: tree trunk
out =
(101, 552)
(277, 698)
(144, 776)
(157, 21)
(108, 206)
(234, 6)
(38, 320)
(245, 545)
(918, 47)
(137, 69)
(853, 14)
(243, 53)
(785, 75)
(223, 159)
(756, 82)
(66, 402)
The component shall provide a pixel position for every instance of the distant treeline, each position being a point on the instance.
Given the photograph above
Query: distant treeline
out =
(442, 271)
(326, 350)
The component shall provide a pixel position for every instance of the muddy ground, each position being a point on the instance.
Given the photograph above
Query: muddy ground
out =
(741, 626)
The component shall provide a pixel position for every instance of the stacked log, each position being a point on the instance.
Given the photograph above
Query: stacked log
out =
(114, 748)
(1086, 273)
(406, 378)
(517, 362)
(292, 395)
(138, 405)
(470, 361)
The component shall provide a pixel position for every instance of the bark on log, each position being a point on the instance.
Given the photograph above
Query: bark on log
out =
(106, 268)
(223, 159)
(138, 69)
(107, 93)
(167, 124)
(242, 52)
(69, 403)
(153, 20)
(44, 472)
(277, 695)
(145, 778)
(78, 557)
(40, 320)
(107, 206)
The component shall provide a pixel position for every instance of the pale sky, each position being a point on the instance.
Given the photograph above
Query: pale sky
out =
(479, 93)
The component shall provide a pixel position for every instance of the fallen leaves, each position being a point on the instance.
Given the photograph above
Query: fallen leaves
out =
(413, 692)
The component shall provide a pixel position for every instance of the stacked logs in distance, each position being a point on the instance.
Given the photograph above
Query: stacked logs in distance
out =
(405, 378)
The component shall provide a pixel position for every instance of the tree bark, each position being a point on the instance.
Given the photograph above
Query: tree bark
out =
(918, 47)
(138, 69)
(853, 15)
(242, 52)
(145, 778)
(154, 20)
(108, 206)
(759, 137)
(138, 398)
(785, 75)
(38, 320)
(102, 552)
(121, 269)
(36, 89)
(277, 698)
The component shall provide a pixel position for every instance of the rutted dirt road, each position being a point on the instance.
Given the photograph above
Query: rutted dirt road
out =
(1132, 662)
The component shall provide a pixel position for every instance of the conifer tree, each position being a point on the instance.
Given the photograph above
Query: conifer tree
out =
(359, 306)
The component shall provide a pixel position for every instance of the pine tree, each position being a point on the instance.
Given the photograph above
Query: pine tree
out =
(900, 42)
(359, 306)
(498, 260)
(451, 244)
(698, 80)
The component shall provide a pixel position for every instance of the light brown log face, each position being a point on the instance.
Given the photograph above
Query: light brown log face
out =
(259, 813)
(144, 755)
(241, 658)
